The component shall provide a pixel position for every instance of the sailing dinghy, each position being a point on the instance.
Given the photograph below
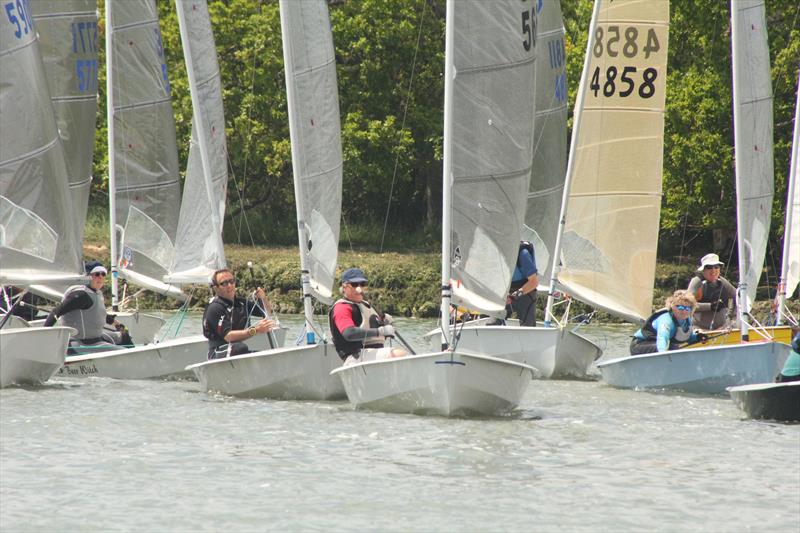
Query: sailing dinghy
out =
(555, 352)
(490, 61)
(302, 372)
(38, 243)
(711, 369)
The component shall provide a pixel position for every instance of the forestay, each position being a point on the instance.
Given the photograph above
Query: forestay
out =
(198, 245)
(611, 231)
(68, 44)
(492, 122)
(752, 109)
(145, 166)
(37, 240)
(550, 135)
(316, 145)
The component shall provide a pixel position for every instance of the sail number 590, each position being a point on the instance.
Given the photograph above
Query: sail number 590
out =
(625, 41)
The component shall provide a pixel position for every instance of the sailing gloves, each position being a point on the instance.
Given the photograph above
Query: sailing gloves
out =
(386, 331)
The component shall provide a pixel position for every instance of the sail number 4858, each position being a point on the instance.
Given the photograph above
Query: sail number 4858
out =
(623, 81)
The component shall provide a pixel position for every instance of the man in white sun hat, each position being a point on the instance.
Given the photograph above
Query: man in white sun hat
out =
(716, 297)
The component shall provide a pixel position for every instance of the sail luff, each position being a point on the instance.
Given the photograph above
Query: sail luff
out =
(447, 169)
(315, 132)
(790, 263)
(112, 159)
(752, 118)
(291, 102)
(493, 113)
(580, 97)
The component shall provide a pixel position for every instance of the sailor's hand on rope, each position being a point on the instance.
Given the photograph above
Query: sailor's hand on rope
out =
(388, 320)
(701, 337)
(265, 325)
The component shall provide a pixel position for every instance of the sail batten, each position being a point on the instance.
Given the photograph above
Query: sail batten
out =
(494, 54)
(610, 235)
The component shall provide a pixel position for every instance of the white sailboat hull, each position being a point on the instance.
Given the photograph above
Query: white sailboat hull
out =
(574, 355)
(441, 383)
(29, 356)
(292, 373)
(167, 359)
(701, 371)
(773, 401)
(163, 360)
(552, 352)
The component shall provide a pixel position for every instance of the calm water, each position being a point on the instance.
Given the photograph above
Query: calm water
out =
(100, 454)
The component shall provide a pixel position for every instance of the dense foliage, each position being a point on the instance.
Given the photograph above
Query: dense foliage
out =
(390, 62)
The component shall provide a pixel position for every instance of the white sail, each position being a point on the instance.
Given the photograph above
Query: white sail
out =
(790, 265)
(198, 245)
(608, 248)
(752, 110)
(146, 186)
(550, 136)
(37, 239)
(492, 119)
(313, 99)
(68, 44)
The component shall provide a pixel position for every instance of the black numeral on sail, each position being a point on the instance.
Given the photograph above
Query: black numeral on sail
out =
(529, 29)
(630, 47)
(627, 83)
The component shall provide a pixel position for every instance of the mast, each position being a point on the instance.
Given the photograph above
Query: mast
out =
(576, 123)
(447, 170)
(790, 208)
(112, 182)
(305, 277)
(198, 123)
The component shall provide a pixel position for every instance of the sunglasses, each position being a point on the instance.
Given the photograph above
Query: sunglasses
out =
(710, 267)
(358, 284)
(225, 283)
(99, 275)
(683, 307)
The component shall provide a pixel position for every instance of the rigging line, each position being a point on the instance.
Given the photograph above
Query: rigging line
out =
(403, 124)
(247, 148)
(241, 202)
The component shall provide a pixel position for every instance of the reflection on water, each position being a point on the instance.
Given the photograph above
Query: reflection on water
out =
(100, 454)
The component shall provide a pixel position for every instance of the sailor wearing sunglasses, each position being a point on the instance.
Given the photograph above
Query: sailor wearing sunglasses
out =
(668, 328)
(226, 321)
(84, 310)
(358, 330)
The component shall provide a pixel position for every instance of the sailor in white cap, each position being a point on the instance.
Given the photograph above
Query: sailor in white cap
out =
(84, 309)
(716, 297)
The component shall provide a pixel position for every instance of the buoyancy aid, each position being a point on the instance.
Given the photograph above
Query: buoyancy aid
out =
(709, 292)
(650, 333)
(88, 322)
(362, 317)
